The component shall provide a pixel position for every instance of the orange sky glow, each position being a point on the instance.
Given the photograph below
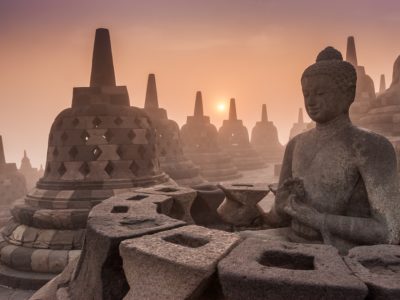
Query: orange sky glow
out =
(252, 50)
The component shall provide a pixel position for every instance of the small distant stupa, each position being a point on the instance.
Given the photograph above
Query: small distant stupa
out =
(264, 139)
(365, 90)
(172, 160)
(200, 144)
(233, 138)
(384, 114)
(300, 126)
(32, 175)
(12, 182)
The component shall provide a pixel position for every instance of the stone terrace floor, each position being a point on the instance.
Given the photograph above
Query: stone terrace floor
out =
(260, 175)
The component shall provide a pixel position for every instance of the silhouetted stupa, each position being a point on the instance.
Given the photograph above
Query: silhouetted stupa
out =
(384, 115)
(12, 185)
(200, 144)
(382, 85)
(32, 175)
(172, 159)
(298, 127)
(365, 90)
(264, 139)
(233, 138)
(12, 182)
(98, 148)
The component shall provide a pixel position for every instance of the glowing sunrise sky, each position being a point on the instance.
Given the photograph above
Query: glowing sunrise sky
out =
(252, 50)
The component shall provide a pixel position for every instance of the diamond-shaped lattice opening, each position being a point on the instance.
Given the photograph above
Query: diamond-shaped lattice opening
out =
(109, 168)
(64, 136)
(96, 152)
(73, 152)
(118, 121)
(96, 122)
(108, 136)
(134, 167)
(61, 169)
(55, 152)
(84, 169)
(141, 151)
(75, 122)
(131, 135)
(85, 135)
(119, 151)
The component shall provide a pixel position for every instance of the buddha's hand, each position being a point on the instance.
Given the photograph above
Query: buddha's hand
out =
(304, 213)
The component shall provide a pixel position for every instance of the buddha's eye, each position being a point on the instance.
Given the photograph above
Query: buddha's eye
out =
(320, 93)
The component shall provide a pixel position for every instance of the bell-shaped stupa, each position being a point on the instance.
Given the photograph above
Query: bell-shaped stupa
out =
(98, 148)
(365, 90)
(384, 115)
(233, 138)
(264, 139)
(172, 160)
(200, 144)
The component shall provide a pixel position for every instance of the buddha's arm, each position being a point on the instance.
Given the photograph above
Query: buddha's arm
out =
(377, 166)
(277, 216)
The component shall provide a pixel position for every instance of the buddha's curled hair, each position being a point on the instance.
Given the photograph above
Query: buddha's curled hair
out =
(330, 62)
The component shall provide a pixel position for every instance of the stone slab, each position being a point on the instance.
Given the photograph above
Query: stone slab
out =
(378, 267)
(175, 264)
(259, 269)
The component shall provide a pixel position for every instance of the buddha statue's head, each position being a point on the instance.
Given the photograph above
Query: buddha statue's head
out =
(329, 86)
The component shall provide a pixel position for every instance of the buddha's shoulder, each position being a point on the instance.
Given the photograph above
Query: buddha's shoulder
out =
(362, 137)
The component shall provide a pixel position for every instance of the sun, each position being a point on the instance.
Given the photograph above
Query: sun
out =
(221, 107)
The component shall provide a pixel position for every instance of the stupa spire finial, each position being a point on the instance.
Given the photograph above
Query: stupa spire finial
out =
(102, 61)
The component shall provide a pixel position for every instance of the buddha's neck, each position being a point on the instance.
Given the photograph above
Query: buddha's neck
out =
(333, 126)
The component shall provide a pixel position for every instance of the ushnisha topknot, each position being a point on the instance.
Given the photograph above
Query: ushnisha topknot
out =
(330, 62)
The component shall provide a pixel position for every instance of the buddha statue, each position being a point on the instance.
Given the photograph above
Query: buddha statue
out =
(338, 183)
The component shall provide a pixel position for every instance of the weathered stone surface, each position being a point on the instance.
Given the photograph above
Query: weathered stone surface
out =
(336, 161)
(183, 199)
(204, 209)
(240, 205)
(175, 264)
(96, 147)
(99, 274)
(259, 269)
(379, 268)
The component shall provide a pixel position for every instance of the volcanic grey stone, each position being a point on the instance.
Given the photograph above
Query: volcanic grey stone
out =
(183, 199)
(378, 267)
(204, 209)
(277, 270)
(99, 274)
(175, 264)
(240, 205)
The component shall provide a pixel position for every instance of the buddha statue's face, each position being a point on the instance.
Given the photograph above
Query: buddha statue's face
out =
(323, 100)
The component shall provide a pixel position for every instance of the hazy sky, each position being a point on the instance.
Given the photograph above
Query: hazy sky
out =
(253, 50)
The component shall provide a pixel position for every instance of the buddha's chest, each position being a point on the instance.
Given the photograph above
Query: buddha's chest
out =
(329, 173)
